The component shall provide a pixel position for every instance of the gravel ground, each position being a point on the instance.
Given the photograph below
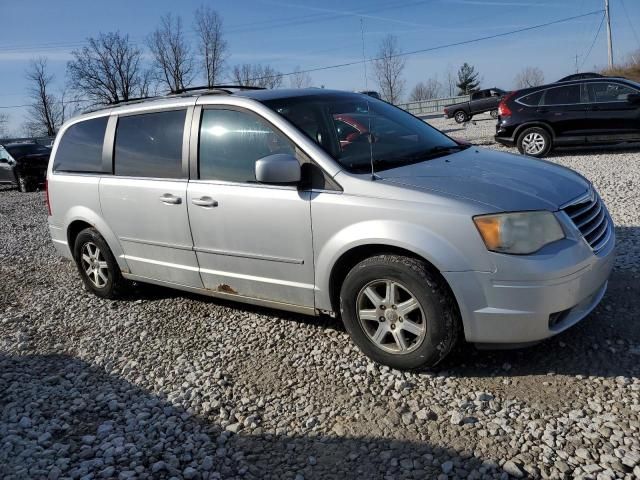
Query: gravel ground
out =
(164, 384)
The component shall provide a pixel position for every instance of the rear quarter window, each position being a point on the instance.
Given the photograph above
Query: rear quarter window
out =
(531, 100)
(80, 148)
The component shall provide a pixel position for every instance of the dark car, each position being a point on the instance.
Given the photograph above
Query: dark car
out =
(580, 76)
(592, 111)
(480, 102)
(24, 164)
(371, 93)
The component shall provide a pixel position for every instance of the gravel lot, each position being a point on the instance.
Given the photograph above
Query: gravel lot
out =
(165, 384)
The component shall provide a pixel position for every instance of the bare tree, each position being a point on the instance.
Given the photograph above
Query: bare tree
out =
(211, 44)
(388, 67)
(248, 75)
(108, 70)
(300, 79)
(529, 77)
(426, 90)
(172, 54)
(45, 112)
(451, 80)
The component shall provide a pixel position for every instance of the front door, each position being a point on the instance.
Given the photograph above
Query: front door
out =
(612, 117)
(145, 201)
(250, 239)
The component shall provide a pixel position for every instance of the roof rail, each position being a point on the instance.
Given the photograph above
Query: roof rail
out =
(224, 88)
(219, 89)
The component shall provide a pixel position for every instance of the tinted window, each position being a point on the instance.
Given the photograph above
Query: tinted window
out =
(150, 145)
(18, 151)
(562, 95)
(232, 141)
(80, 149)
(356, 131)
(610, 92)
(531, 100)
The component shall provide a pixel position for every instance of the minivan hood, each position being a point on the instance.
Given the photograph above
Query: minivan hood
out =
(501, 180)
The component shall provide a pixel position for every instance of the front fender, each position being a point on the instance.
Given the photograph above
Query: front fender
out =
(440, 252)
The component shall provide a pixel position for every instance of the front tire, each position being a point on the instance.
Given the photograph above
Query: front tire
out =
(494, 113)
(97, 265)
(398, 312)
(535, 142)
(460, 116)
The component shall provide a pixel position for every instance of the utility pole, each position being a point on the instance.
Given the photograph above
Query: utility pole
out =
(608, 15)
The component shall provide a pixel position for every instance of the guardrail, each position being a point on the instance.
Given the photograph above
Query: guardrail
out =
(435, 105)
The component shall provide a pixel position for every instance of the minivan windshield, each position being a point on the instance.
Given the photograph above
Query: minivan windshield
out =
(360, 131)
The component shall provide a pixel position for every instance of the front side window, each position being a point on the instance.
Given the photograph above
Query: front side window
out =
(357, 131)
(80, 148)
(231, 141)
(610, 92)
(567, 95)
(150, 145)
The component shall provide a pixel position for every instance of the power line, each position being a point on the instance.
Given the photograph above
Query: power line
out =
(584, 60)
(440, 47)
(234, 29)
(633, 29)
(414, 52)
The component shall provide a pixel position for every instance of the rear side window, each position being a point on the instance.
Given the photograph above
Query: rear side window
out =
(80, 148)
(567, 95)
(231, 141)
(150, 145)
(531, 100)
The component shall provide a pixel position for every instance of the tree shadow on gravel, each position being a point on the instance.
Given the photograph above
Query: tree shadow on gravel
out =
(61, 416)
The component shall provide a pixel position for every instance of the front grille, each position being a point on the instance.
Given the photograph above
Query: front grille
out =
(590, 216)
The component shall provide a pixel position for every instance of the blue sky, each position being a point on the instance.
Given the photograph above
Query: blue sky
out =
(315, 33)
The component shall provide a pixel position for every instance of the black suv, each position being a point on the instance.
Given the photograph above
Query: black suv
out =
(24, 164)
(580, 112)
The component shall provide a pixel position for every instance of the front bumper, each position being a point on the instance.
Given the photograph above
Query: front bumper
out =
(534, 307)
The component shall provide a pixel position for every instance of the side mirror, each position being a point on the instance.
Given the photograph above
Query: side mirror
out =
(634, 98)
(281, 168)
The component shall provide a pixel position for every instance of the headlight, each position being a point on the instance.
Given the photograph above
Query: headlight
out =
(518, 233)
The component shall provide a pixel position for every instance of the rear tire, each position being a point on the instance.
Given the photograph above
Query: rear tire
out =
(24, 185)
(414, 327)
(460, 116)
(494, 113)
(535, 142)
(97, 265)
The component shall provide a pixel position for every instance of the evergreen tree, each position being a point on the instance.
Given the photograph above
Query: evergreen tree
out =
(467, 79)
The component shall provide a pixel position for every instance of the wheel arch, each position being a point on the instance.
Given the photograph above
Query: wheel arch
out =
(523, 127)
(80, 218)
(350, 258)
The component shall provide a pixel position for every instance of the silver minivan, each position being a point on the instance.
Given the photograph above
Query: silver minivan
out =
(319, 201)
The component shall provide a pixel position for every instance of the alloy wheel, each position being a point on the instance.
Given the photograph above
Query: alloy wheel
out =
(391, 316)
(533, 143)
(94, 265)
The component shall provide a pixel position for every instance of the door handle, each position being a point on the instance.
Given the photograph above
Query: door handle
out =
(205, 202)
(170, 199)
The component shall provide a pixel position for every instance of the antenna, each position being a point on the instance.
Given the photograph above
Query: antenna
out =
(366, 86)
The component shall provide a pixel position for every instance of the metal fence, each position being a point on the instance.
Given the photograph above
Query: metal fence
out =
(434, 105)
